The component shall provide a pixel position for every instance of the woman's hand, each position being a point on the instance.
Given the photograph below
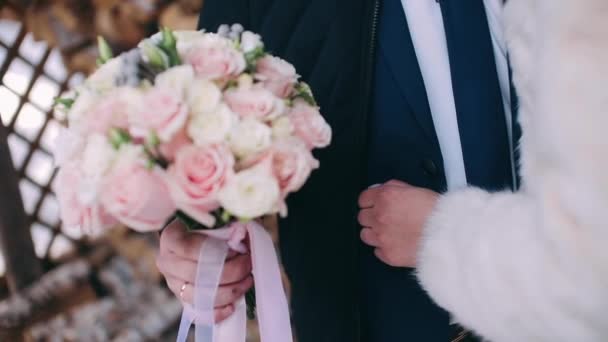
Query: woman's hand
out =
(177, 261)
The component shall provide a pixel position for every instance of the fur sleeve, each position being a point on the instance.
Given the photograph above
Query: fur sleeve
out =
(495, 265)
(533, 265)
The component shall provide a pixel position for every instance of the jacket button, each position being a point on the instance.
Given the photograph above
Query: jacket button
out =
(430, 167)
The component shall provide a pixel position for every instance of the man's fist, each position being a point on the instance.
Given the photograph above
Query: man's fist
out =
(177, 260)
(393, 216)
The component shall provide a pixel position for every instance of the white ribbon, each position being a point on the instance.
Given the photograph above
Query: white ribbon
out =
(272, 309)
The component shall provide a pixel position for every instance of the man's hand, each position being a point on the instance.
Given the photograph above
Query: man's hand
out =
(177, 260)
(393, 216)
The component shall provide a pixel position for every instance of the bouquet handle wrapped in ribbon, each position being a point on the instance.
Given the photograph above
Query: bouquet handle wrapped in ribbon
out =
(271, 303)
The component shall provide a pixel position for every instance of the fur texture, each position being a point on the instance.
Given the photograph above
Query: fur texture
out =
(533, 265)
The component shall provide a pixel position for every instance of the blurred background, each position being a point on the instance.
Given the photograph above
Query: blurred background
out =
(55, 284)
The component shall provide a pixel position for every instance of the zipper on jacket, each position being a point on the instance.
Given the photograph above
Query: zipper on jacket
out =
(370, 58)
(368, 62)
(374, 36)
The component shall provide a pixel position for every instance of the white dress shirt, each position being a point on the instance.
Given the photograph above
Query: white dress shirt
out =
(426, 28)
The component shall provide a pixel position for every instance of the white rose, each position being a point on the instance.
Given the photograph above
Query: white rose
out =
(98, 115)
(68, 146)
(128, 154)
(98, 155)
(178, 78)
(251, 193)
(203, 96)
(250, 41)
(282, 127)
(97, 158)
(85, 101)
(104, 78)
(186, 39)
(212, 127)
(250, 137)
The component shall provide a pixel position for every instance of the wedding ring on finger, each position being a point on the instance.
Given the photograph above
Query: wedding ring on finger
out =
(181, 291)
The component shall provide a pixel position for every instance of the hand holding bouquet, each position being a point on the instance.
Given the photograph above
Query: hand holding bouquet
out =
(204, 127)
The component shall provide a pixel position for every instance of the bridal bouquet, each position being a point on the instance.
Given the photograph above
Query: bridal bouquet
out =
(204, 127)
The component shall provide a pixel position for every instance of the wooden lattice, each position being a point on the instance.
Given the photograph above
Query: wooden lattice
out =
(32, 75)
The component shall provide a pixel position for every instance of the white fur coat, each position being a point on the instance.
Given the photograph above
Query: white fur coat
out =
(533, 265)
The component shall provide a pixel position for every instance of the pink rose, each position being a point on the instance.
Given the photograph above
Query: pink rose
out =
(215, 58)
(112, 111)
(197, 176)
(277, 75)
(255, 102)
(309, 125)
(137, 195)
(292, 164)
(163, 112)
(92, 218)
(180, 140)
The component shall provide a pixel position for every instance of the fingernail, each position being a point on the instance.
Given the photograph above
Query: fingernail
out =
(374, 186)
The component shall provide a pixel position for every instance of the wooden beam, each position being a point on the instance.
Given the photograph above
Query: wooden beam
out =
(22, 265)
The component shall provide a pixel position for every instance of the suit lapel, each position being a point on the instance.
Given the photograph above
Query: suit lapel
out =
(397, 47)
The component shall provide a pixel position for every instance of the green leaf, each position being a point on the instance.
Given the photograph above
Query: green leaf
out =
(119, 137)
(169, 45)
(105, 52)
(155, 56)
(244, 220)
(150, 164)
(190, 223)
(169, 39)
(304, 92)
(253, 56)
(225, 217)
(231, 84)
(66, 102)
(222, 219)
(152, 140)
